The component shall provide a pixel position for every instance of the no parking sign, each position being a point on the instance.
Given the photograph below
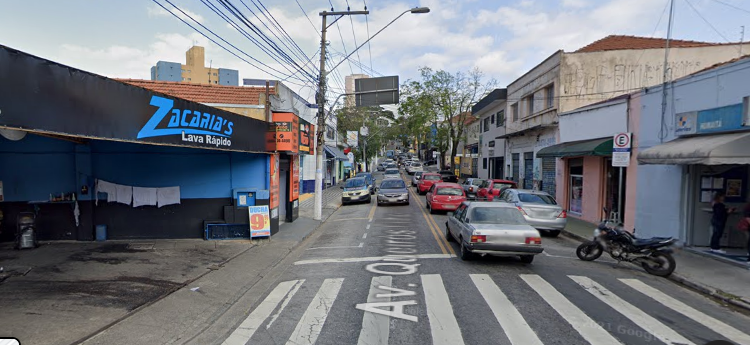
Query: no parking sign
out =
(621, 145)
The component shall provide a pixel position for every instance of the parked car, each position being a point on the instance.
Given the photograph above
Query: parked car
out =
(490, 189)
(413, 167)
(538, 208)
(391, 166)
(392, 173)
(369, 179)
(471, 187)
(430, 163)
(381, 167)
(355, 190)
(444, 196)
(427, 180)
(492, 229)
(416, 177)
(393, 191)
(448, 176)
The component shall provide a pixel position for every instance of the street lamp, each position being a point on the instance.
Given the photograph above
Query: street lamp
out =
(318, 214)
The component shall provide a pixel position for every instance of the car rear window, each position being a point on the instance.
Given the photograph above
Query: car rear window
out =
(450, 191)
(392, 184)
(536, 199)
(476, 182)
(431, 178)
(501, 186)
(496, 215)
(418, 174)
(416, 165)
(391, 172)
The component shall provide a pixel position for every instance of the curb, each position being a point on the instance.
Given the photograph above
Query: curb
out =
(735, 301)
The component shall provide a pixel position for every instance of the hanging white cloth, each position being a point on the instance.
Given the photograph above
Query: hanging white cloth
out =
(124, 194)
(105, 187)
(167, 196)
(77, 214)
(144, 196)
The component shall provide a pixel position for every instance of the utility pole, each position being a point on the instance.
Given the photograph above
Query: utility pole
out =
(318, 215)
(663, 130)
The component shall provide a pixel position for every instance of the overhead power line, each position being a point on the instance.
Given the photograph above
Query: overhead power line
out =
(351, 21)
(278, 73)
(367, 22)
(732, 6)
(706, 21)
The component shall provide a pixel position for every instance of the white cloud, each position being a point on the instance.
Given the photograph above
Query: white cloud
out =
(158, 11)
(575, 3)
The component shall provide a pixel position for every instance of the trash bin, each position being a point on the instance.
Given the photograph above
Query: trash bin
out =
(101, 233)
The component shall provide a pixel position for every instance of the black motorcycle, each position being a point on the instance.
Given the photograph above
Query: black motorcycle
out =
(653, 254)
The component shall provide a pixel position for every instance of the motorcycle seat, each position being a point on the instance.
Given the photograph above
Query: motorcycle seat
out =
(641, 242)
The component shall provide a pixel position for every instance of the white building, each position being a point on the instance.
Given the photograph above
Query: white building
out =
(490, 111)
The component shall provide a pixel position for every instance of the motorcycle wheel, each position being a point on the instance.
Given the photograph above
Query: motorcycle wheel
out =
(663, 268)
(589, 251)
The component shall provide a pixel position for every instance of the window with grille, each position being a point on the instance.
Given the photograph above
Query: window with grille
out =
(550, 95)
(500, 118)
(514, 111)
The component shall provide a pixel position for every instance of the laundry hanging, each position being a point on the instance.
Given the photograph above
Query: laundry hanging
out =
(167, 196)
(144, 196)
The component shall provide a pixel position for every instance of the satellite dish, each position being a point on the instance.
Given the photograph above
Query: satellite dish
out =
(12, 134)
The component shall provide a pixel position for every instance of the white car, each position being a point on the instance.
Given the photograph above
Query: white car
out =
(413, 167)
(391, 173)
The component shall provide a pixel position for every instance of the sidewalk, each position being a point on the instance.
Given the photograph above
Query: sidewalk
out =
(107, 292)
(331, 201)
(717, 278)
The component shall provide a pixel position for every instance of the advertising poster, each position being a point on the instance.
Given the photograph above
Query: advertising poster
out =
(352, 138)
(306, 137)
(274, 179)
(260, 225)
(287, 132)
(294, 171)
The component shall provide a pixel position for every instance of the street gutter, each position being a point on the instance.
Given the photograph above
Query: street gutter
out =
(728, 298)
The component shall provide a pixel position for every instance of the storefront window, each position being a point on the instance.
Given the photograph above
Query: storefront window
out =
(576, 186)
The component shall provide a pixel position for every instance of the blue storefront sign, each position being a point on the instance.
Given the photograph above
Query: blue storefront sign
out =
(723, 119)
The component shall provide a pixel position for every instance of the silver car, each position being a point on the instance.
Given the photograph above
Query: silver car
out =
(471, 187)
(413, 167)
(415, 179)
(492, 228)
(392, 173)
(539, 208)
(393, 191)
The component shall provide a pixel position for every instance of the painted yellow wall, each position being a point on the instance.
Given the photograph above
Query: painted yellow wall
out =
(256, 113)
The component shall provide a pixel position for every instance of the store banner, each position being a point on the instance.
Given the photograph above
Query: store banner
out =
(44, 96)
(260, 224)
(306, 137)
(352, 138)
(287, 132)
(274, 181)
(294, 178)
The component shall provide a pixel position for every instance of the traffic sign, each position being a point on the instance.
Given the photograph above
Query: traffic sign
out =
(621, 145)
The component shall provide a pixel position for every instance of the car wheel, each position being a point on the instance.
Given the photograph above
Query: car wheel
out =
(448, 236)
(527, 259)
(554, 233)
(465, 254)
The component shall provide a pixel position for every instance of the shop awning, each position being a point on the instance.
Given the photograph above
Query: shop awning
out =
(335, 153)
(707, 150)
(593, 147)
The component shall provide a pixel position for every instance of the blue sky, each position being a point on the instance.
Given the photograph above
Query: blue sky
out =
(504, 39)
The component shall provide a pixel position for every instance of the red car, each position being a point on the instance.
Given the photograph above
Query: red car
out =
(445, 196)
(490, 189)
(427, 181)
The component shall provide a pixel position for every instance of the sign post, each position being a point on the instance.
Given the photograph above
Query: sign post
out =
(621, 147)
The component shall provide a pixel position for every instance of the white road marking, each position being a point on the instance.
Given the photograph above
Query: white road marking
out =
(640, 318)
(336, 247)
(247, 328)
(589, 330)
(443, 324)
(365, 234)
(361, 244)
(715, 325)
(309, 327)
(514, 325)
(368, 226)
(376, 327)
(556, 256)
(285, 302)
(370, 259)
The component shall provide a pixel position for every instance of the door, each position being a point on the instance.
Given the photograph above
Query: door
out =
(498, 164)
(528, 170)
(283, 188)
(548, 176)
(516, 166)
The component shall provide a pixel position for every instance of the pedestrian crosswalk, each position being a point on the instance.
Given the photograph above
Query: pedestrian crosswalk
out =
(439, 311)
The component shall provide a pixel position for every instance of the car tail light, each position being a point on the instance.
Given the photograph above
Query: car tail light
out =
(522, 211)
(471, 189)
(532, 240)
(563, 214)
(479, 238)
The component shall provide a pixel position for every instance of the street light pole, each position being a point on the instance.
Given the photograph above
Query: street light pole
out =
(321, 98)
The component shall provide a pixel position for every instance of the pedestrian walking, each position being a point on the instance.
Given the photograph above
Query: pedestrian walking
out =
(719, 222)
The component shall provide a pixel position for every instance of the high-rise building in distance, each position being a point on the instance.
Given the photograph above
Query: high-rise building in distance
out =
(350, 101)
(194, 70)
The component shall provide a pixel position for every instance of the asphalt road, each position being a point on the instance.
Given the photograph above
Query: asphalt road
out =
(346, 289)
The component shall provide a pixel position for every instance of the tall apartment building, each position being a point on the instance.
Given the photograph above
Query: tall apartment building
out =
(349, 88)
(194, 70)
